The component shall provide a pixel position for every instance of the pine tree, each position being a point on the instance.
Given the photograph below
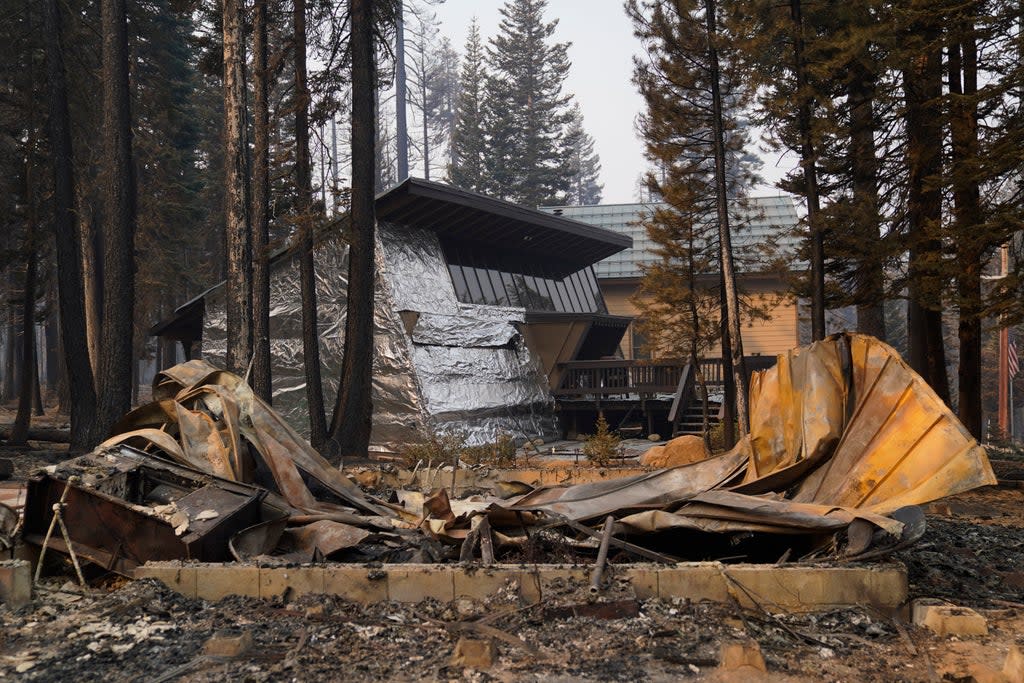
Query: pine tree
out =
(696, 159)
(442, 99)
(584, 187)
(116, 358)
(468, 146)
(526, 111)
(236, 191)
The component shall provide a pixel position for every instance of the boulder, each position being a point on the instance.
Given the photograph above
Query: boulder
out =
(682, 450)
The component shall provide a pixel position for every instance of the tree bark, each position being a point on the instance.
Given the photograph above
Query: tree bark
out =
(401, 96)
(808, 161)
(307, 267)
(725, 237)
(351, 422)
(29, 366)
(118, 225)
(922, 83)
(8, 384)
(262, 381)
(238, 291)
(870, 274)
(963, 59)
(91, 266)
(78, 368)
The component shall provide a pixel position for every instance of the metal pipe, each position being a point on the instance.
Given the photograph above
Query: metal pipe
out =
(602, 555)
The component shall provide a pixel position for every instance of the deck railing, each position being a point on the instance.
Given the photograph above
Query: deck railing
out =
(594, 378)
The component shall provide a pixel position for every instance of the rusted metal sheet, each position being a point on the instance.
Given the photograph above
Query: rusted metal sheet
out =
(124, 508)
(841, 430)
(207, 418)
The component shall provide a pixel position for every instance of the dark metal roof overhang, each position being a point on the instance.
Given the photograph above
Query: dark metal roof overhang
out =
(463, 216)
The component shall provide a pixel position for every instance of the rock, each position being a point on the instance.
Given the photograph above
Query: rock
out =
(682, 450)
(474, 654)
(654, 437)
(741, 655)
(948, 619)
(228, 644)
(315, 611)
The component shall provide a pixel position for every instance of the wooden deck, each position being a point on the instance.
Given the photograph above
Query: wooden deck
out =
(654, 394)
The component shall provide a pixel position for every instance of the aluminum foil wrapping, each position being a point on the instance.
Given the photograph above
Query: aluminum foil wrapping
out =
(475, 371)
(398, 417)
(463, 367)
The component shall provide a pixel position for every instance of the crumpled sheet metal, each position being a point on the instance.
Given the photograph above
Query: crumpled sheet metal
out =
(840, 430)
(201, 417)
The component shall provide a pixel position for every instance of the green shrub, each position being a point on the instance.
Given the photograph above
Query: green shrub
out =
(602, 446)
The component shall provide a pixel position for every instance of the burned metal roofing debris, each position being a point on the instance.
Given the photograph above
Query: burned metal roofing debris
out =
(845, 441)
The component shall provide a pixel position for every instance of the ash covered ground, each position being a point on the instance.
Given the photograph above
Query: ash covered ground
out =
(119, 630)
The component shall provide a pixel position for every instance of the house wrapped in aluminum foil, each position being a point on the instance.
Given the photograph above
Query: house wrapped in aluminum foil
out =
(478, 302)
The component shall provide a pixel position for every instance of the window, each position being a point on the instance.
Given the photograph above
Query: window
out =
(491, 277)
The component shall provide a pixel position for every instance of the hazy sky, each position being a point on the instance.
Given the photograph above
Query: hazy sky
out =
(601, 53)
(602, 63)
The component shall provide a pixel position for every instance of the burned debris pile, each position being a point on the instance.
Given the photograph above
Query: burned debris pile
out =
(845, 442)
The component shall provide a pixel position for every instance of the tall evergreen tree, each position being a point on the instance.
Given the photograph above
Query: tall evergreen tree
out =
(67, 237)
(116, 359)
(468, 145)
(353, 411)
(261, 381)
(526, 110)
(306, 217)
(584, 163)
(698, 151)
(236, 192)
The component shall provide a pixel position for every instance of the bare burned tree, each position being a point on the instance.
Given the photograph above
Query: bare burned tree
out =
(67, 239)
(351, 422)
(304, 192)
(236, 204)
(119, 219)
(261, 376)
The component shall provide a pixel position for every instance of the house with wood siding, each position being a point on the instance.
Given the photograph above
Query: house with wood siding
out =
(764, 230)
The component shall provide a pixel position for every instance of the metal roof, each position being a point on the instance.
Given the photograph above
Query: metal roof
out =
(470, 217)
(763, 222)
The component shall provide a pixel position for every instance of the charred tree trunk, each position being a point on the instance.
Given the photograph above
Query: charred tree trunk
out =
(29, 366)
(119, 224)
(238, 293)
(963, 59)
(728, 378)
(8, 385)
(91, 267)
(77, 366)
(724, 234)
(809, 162)
(870, 274)
(351, 422)
(922, 84)
(304, 191)
(401, 97)
(262, 382)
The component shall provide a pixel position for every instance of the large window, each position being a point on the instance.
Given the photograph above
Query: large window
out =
(487, 276)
